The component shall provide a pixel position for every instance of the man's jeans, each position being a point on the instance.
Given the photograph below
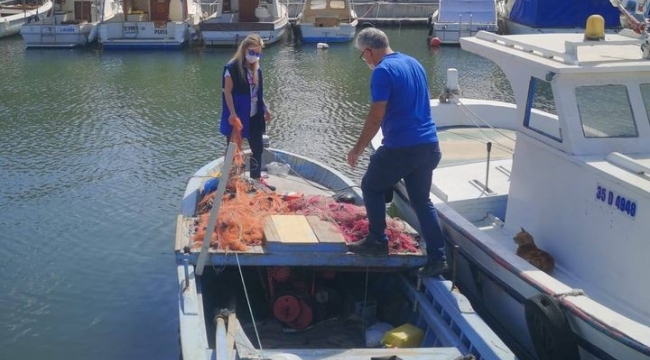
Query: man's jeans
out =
(415, 165)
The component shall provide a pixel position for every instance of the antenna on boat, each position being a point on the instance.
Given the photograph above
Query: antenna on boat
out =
(487, 170)
(221, 189)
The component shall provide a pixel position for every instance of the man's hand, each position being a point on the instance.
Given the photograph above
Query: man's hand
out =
(353, 156)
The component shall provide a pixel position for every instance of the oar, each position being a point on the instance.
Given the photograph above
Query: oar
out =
(221, 189)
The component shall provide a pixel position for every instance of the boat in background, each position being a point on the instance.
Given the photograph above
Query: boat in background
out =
(230, 21)
(75, 23)
(323, 21)
(299, 294)
(15, 13)
(578, 182)
(152, 24)
(454, 19)
(552, 16)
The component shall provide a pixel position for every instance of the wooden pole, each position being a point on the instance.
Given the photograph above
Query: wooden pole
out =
(221, 189)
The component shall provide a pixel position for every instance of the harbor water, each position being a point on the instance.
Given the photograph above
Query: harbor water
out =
(96, 150)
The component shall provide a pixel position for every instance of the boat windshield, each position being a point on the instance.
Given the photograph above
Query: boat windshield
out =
(605, 111)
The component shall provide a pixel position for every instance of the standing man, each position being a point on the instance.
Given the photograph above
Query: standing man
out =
(409, 151)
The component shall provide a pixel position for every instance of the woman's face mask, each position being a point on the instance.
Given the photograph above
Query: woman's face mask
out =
(253, 56)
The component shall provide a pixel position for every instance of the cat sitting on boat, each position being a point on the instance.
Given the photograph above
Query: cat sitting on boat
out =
(528, 251)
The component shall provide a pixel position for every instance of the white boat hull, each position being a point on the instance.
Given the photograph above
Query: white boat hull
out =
(144, 35)
(58, 35)
(314, 34)
(270, 33)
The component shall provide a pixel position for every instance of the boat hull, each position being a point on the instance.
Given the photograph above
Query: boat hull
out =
(144, 35)
(310, 33)
(63, 36)
(216, 34)
(499, 290)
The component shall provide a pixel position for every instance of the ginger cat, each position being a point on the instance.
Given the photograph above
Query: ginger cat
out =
(528, 251)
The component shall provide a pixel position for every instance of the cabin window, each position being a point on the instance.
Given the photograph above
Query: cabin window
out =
(540, 97)
(318, 4)
(605, 111)
(337, 4)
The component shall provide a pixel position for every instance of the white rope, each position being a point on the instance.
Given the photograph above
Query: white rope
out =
(250, 309)
(573, 292)
(480, 123)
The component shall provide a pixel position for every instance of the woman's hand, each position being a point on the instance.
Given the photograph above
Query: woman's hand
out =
(267, 116)
(234, 120)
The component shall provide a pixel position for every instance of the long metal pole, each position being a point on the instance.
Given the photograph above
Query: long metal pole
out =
(221, 189)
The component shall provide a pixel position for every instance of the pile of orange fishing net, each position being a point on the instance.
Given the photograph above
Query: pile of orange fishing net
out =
(245, 205)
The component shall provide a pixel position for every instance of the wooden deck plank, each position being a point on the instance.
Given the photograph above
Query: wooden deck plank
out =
(325, 231)
(293, 229)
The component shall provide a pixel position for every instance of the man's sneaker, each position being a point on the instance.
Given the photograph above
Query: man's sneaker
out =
(433, 268)
(370, 247)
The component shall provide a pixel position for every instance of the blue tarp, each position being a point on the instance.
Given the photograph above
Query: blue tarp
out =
(562, 13)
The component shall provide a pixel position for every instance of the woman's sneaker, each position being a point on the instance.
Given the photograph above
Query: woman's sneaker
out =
(433, 268)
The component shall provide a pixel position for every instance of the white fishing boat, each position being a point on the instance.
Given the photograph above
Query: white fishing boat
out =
(15, 13)
(75, 23)
(454, 19)
(553, 16)
(230, 21)
(152, 24)
(578, 182)
(299, 294)
(326, 21)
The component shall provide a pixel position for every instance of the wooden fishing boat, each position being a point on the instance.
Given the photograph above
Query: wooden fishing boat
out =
(577, 181)
(300, 294)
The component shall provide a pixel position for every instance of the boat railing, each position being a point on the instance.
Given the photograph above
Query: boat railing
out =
(212, 7)
(570, 54)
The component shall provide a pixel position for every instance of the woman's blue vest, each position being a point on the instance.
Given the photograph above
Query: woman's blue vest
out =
(241, 96)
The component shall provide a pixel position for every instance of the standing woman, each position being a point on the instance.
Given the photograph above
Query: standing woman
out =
(243, 99)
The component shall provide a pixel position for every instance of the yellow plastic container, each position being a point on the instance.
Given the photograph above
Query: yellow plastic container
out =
(405, 336)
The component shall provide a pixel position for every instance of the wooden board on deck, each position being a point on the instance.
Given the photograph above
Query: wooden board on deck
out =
(301, 233)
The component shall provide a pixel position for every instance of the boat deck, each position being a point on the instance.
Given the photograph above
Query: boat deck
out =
(295, 240)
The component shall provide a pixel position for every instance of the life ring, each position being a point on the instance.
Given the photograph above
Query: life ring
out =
(549, 329)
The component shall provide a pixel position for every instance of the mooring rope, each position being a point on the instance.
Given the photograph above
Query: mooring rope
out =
(250, 308)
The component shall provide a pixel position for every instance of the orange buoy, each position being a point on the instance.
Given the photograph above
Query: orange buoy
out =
(435, 42)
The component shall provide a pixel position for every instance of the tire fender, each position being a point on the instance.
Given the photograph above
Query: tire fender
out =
(549, 329)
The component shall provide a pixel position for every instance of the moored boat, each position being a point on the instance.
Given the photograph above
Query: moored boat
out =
(13, 14)
(454, 19)
(577, 183)
(74, 23)
(151, 24)
(326, 21)
(553, 16)
(231, 21)
(298, 293)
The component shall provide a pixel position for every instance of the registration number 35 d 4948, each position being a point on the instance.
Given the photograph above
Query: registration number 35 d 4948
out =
(623, 204)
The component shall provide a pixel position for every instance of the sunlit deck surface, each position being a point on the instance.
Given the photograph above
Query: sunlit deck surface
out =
(323, 246)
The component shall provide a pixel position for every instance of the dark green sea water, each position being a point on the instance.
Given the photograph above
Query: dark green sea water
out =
(95, 151)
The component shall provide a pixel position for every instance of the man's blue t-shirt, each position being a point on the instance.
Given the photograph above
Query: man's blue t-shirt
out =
(402, 81)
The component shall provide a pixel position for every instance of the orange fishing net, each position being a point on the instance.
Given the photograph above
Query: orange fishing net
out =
(246, 203)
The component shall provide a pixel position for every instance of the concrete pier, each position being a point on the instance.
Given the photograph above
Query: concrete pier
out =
(390, 13)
